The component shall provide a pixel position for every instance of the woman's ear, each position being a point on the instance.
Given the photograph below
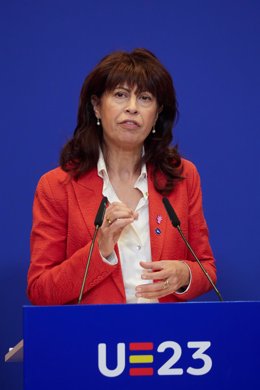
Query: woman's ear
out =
(95, 104)
(158, 113)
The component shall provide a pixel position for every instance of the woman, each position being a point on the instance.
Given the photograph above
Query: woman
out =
(120, 149)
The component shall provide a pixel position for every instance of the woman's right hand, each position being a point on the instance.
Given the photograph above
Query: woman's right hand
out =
(116, 218)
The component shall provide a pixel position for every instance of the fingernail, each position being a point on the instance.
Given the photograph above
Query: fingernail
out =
(138, 289)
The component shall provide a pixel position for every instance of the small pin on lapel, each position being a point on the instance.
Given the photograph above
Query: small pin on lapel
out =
(158, 231)
(159, 219)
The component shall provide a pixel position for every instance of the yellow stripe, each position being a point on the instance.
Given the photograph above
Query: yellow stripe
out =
(141, 359)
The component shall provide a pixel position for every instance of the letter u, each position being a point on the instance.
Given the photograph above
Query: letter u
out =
(102, 360)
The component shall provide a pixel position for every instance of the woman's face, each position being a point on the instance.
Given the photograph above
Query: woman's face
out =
(127, 117)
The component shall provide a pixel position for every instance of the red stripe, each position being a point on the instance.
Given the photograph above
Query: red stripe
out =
(141, 371)
(141, 346)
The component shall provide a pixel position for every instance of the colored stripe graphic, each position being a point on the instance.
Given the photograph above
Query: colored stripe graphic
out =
(141, 346)
(141, 359)
(141, 371)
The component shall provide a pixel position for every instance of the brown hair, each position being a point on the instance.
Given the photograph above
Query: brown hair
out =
(142, 69)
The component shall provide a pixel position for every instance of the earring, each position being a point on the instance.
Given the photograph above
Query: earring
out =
(153, 130)
(98, 122)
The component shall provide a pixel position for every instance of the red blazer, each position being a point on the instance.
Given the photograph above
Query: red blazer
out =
(63, 225)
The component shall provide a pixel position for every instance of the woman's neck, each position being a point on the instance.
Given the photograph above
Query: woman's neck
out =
(122, 163)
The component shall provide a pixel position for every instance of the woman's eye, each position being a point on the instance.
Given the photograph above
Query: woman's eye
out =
(120, 94)
(146, 98)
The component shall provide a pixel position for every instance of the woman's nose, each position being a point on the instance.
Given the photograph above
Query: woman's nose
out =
(131, 106)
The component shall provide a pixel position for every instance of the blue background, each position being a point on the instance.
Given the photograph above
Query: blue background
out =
(211, 49)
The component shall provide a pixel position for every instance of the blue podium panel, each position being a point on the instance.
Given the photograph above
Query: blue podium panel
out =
(209, 345)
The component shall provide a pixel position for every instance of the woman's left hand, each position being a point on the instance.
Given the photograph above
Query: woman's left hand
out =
(169, 277)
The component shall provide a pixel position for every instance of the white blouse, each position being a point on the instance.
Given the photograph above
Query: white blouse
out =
(134, 242)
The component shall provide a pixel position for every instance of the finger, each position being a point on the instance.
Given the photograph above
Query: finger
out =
(118, 206)
(150, 287)
(112, 218)
(113, 231)
(153, 295)
(154, 290)
(154, 270)
(119, 224)
(155, 275)
(113, 215)
(152, 265)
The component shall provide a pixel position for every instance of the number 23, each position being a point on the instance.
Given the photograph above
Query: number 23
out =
(201, 346)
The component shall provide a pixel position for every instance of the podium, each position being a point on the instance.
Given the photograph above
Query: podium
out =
(209, 345)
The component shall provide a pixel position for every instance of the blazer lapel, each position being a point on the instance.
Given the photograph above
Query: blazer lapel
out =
(157, 220)
(88, 191)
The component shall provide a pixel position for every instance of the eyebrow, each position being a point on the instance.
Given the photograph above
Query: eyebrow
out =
(129, 89)
(121, 87)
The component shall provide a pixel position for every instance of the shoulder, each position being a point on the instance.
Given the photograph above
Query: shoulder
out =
(191, 178)
(188, 168)
(190, 171)
(53, 182)
(55, 175)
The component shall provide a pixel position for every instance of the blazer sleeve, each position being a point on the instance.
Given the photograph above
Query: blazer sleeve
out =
(54, 279)
(198, 237)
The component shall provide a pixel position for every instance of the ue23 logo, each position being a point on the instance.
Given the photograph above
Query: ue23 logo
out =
(141, 359)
